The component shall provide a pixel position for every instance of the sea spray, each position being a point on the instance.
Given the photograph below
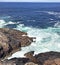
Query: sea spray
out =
(47, 39)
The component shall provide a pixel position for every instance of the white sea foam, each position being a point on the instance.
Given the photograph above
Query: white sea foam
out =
(46, 39)
(31, 20)
(4, 23)
(51, 19)
(57, 24)
(10, 22)
(52, 12)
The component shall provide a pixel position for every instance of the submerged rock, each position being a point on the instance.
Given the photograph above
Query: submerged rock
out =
(11, 41)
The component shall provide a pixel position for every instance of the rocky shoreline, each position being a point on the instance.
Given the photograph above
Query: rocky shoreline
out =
(12, 40)
(48, 58)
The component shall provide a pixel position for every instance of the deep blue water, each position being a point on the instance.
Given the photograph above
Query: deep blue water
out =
(30, 14)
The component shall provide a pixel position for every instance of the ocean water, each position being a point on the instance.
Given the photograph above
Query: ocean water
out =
(40, 20)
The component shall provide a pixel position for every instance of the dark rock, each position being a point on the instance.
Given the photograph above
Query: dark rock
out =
(15, 61)
(31, 57)
(48, 56)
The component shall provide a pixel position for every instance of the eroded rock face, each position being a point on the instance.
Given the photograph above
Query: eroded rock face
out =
(11, 41)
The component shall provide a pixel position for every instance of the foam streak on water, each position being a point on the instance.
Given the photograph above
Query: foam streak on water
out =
(46, 39)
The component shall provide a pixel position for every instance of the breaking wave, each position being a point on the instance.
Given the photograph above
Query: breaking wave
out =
(46, 39)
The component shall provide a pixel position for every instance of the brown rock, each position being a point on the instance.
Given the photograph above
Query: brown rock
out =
(52, 62)
(15, 61)
(30, 63)
(48, 58)
(31, 57)
(57, 61)
(7, 63)
(18, 35)
(49, 62)
(11, 41)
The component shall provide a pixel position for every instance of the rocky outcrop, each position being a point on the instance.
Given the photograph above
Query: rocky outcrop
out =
(17, 35)
(48, 58)
(11, 41)
(15, 61)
